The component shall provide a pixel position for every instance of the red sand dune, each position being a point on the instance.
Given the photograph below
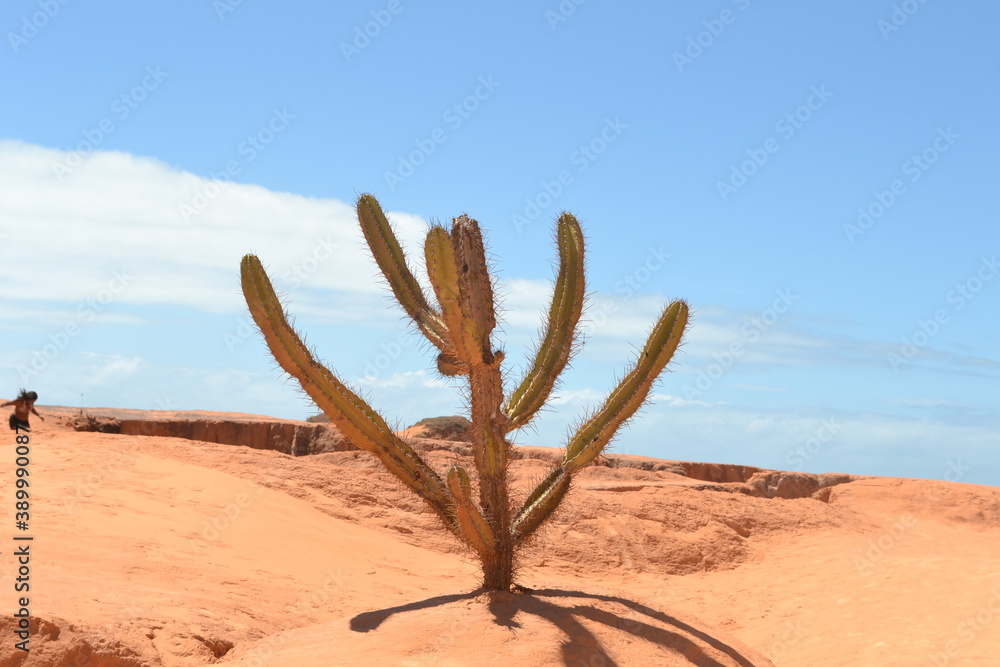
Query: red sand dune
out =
(153, 550)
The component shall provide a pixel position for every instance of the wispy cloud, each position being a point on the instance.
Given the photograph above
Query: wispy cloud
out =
(101, 369)
(801, 340)
(67, 237)
(112, 231)
(810, 439)
(405, 380)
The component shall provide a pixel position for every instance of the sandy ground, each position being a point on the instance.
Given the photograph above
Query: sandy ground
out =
(162, 551)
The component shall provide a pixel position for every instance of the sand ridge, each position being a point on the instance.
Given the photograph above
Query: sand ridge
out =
(166, 551)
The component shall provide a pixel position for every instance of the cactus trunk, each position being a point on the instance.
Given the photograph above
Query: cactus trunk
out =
(461, 328)
(491, 451)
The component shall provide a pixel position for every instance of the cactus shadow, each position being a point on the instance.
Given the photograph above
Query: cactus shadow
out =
(371, 620)
(670, 634)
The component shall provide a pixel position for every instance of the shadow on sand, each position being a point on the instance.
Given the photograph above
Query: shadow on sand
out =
(671, 635)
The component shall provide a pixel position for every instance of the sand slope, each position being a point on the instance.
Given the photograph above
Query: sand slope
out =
(162, 551)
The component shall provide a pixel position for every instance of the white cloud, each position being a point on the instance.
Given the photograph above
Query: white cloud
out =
(407, 379)
(803, 438)
(102, 369)
(525, 302)
(66, 238)
(756, 387)
(667, 399)
(924, 402)
(584, 396)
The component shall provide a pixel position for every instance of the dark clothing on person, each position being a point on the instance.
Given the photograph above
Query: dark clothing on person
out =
(18, 424)
(24, 407)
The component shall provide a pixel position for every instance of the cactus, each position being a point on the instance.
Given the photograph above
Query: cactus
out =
(460, 326)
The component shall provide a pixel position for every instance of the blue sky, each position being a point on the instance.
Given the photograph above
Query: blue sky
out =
(814, 179)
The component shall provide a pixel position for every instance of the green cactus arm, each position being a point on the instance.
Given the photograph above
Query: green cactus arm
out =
(475, 289)
(475, 530)
(540, 504)
(442, 269)
(392, 262)
(595, 434)
(556, 347)
(591, 438)
(356, 419)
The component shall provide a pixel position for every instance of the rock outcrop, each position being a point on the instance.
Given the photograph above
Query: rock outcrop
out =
(453, 428)
(451, 434)
(295, 438)
(286, 436)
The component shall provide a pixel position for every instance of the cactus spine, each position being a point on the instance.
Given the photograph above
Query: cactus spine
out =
(460, 326)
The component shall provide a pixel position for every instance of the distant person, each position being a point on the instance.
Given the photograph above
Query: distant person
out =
(24, 405)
